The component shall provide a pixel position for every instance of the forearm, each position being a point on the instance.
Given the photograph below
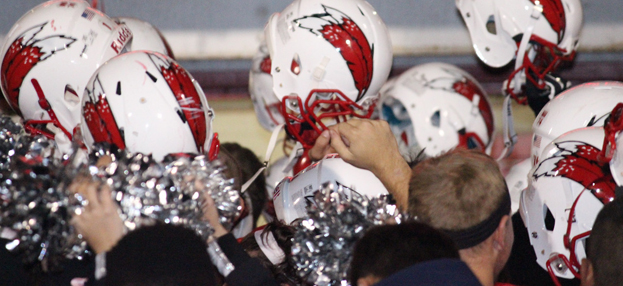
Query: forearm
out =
(395, 175)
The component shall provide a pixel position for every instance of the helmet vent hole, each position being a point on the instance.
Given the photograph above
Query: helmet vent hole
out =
(550, 222)
(151, 76)
(118, 92)
(435, 119)
(491, 25)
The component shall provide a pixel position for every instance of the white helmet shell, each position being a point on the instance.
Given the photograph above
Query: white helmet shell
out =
(584, 105)
(437, 107)
(145, 102)
(146, 36)
(329, 60)
(266, 104)
(567, 189)
(292, 193)
(494, 26)
(48, 57)
(517, 181)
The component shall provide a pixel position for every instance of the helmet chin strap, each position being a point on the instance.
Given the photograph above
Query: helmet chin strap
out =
(519, 79)
(510, 136)
(45, 105)
(269, 152)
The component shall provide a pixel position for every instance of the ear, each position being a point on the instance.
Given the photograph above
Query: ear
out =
(587, 273)
(367, 281)
(499, 236)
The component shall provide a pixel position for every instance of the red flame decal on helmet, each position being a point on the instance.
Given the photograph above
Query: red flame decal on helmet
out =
(23, 54)
(182, 86)
(265, 65)
(346, 36)
(99, 118)
(469, 89)
(579, 162)
(554, 12)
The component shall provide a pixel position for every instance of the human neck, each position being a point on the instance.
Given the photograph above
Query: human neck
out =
(480, 264)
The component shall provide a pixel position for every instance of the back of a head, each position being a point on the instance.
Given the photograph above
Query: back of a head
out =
(248, 164)
(456, 190)
(385, 250)
(605, 246)
(161, 254)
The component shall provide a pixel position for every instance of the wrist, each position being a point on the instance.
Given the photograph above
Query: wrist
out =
(395, 176)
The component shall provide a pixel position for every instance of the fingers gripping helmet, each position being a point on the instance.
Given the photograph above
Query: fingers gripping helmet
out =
(585, 105)
(48, 57)
(497, 27)
(267, 106)
(567, 189)
(328, 62)
(145, 36)
(436, 107)
(145, 102)
(293, 193)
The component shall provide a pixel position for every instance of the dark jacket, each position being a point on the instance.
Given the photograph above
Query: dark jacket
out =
(435, 272)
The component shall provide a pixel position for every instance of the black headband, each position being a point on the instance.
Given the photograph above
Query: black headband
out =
(472, 236)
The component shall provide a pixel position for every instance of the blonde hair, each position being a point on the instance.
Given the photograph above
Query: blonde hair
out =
(456, 190)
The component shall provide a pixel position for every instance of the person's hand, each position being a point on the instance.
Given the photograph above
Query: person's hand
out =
(210, 214)
(321, 147)
(370, 144)
(99, 223)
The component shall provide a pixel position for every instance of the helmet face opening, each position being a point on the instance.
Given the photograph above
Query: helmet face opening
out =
(322, 108)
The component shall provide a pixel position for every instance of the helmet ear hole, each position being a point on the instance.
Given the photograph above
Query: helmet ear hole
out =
(550, 222)
(435, 119)
(71, 95)
(491, 25)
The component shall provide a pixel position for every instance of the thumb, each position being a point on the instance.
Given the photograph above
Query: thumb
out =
(320, 147)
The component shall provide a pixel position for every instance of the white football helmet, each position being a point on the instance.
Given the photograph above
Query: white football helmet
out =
(436, 107)
(567, 189)
(584, 105)
(267, 106)
(145, 36)
(145, 102)
(517, 181)
(328, 62)
(274, 174)
(293, 193)
(497, 27)
(47, 59)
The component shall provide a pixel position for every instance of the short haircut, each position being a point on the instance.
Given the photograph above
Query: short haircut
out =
(456, 190)
(605, 245)
(248, 164)
(284, 272)
(385, 250)
(161, 254)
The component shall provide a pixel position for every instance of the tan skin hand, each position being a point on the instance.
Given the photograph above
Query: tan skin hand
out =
(369, 144)
(99, 223)
(210, 214)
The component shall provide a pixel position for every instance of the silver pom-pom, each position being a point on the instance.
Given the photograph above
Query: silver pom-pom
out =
(35, 207)
(169, 192)
(337, 218)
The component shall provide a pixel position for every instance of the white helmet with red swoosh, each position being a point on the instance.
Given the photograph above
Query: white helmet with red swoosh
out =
(292, 193)
(47, 59)
(328, 62)
(145, 102)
